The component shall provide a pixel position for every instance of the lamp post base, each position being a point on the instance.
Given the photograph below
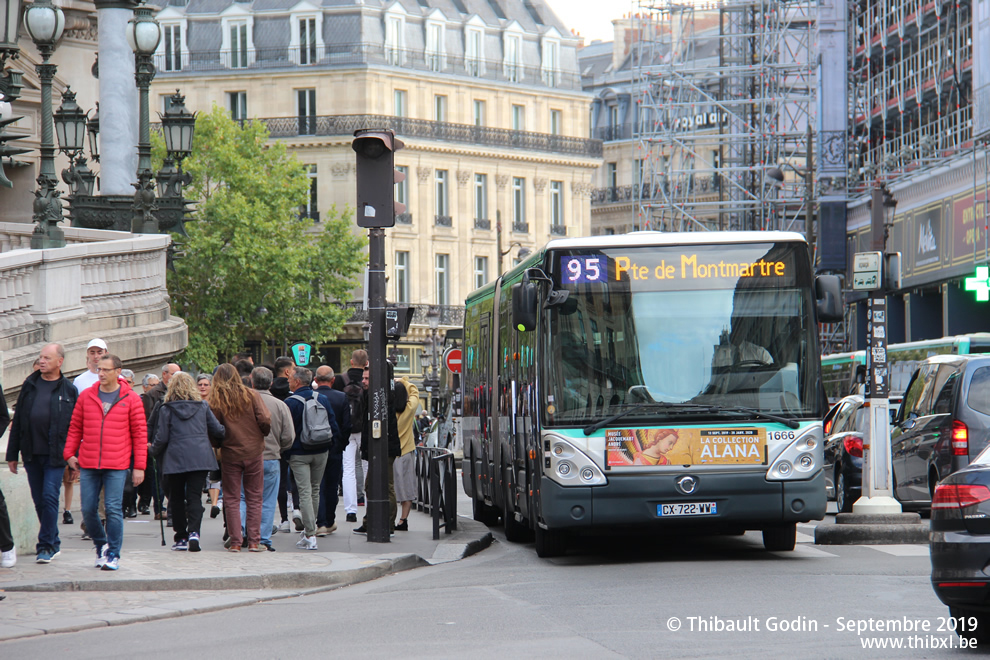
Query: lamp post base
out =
(54, 238)
(876, 504)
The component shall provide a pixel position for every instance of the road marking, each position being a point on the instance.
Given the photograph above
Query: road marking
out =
(807, 551)
(804, 538)
(904, 550)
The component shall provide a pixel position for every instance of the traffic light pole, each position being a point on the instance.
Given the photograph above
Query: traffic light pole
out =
(378, 505)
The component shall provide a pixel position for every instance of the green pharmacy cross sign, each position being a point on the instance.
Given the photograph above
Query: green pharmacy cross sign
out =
(980, 284)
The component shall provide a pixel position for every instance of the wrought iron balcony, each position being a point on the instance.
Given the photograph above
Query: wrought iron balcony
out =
(609, 133)
(520, 227)
(403, 219)
(443, 221)
(697, 184)
(558, 230)
(480, 223)
(327, 125)
(358, 54)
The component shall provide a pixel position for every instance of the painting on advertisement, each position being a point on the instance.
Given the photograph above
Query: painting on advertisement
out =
(926, 243)
(686, 446)
(968, 227)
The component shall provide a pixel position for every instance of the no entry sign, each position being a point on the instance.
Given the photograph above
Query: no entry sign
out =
(452, 360)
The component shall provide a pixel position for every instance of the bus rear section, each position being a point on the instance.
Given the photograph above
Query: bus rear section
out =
(652, 384)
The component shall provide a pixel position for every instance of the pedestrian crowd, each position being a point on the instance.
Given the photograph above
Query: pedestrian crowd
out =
(254, 440)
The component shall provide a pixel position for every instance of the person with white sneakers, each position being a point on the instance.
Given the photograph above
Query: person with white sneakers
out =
(8, 552)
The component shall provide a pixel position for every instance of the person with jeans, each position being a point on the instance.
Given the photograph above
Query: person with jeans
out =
(107, 432)
(326, 518)
(246, 421)
(307, 464)
(37, 436)
(279, 439)
(185, 427)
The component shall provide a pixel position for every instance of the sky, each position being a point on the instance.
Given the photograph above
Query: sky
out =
(592, 18)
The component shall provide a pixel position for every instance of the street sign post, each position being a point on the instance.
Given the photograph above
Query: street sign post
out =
(867, 274)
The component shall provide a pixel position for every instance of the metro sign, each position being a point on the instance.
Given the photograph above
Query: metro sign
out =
(452, 360)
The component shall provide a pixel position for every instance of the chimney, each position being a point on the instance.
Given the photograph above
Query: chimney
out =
(624, 31)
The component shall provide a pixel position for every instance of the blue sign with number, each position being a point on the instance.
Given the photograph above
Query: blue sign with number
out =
(583, 269)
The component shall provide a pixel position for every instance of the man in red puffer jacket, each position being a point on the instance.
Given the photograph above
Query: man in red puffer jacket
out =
(108, 428)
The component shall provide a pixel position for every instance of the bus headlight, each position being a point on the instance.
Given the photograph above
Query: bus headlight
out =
(800, 459)
(569, 466)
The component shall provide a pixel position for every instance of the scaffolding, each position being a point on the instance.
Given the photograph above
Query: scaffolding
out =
(725, 94)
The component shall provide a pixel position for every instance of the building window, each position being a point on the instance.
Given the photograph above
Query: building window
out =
(518, 117)
(474, 56)
(401, 277)
(551, 63)
(238, 48)
(556, 204)
(306, 106)
(556, 118)
(172, 43)
(443, 279)
(401, 188)
(442, 207)
(435, 50)
(439, 107)
(481, 196)
(612, 175)
(311, 209)
(480, 272)
(638, 172)
(479, 113)
(518, 202)
(513, 58)
(307, 40)
(394, 41)
(399, 102)
(237, 103)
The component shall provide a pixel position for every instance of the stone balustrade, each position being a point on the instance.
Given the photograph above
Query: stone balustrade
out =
(103, 284)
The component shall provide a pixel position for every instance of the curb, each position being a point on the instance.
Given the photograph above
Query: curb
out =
(872, 534)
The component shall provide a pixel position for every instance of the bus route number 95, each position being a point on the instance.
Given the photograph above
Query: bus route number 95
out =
(583, 270)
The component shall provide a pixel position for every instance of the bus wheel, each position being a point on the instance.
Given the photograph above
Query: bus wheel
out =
(780, 539)
(550, 543)
(515, 531)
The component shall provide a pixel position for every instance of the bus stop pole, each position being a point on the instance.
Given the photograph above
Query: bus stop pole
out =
(878, 492)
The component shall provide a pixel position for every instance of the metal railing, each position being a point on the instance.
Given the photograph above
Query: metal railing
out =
(436, 478)
(482, 223)
(443, 221)
(520, 227)
(333, 55)
(326, 125)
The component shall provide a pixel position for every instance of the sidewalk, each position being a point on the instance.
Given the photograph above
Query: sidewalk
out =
(155, 583)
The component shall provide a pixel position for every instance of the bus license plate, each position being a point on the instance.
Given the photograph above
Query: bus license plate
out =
(688, 509)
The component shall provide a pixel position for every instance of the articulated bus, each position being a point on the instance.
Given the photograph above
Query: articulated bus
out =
(648, 381)
(844, 373)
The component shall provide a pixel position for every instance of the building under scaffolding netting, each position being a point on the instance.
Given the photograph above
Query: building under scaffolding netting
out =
(725, 94)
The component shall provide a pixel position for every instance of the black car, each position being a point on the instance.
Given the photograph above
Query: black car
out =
(846, 426)
(942, 424)
(960, 547)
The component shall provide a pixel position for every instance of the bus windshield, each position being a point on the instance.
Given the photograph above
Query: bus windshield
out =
(706, 326)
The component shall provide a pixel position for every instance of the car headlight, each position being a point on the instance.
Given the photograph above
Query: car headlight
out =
(802, 457)
(569, 466)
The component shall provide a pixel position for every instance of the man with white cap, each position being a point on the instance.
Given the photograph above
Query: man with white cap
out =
(95, 349)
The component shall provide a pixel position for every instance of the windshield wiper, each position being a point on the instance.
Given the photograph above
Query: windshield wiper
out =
(692, 407)
(790, 423)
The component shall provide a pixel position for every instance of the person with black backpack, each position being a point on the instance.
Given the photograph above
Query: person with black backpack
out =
(315, 432)
(350, 383)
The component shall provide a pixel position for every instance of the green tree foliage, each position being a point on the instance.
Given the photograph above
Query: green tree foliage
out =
(248, 250)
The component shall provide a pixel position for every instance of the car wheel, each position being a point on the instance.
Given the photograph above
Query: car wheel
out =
(550, 543)
(780, 539)
(972, 625)
(843, 498)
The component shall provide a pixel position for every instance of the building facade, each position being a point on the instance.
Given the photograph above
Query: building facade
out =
(485, 94)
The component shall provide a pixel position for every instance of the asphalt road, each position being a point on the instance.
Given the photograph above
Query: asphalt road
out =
(612, 597)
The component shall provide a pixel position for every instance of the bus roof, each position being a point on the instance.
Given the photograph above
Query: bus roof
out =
(643, 238)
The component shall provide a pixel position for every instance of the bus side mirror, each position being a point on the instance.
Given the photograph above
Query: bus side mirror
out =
(525, 303)
(828, 293)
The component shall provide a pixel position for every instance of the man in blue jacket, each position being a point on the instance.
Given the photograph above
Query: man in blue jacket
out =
(307, 465)
(326, 519)
(37, 437)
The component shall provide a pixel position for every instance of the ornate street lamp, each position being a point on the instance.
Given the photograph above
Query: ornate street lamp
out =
(70, 128)
(178, 127)
(143, 34)
(45, 22)
(93, 130)
(10, 23)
